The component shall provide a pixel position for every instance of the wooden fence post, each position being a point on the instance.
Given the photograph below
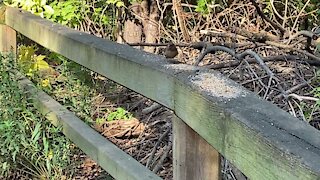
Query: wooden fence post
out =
(8, 39)
(193, 157)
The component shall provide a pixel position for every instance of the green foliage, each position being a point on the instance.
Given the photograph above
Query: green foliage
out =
(117, 3)
(29, 143)
(69, 89)
(75, 90)
(202, 6)
(63, 12)
(95, 16)
(31, 63)
(34, 66)
(38, 7)
(120, 113)
(68, 12)
(206, 7)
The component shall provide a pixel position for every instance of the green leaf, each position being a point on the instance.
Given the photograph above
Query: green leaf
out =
(40, 63)
(120, 4)
(43, 2)
(48, 9)
(36, 133)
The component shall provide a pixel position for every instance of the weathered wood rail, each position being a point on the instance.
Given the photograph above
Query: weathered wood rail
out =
(214, 114)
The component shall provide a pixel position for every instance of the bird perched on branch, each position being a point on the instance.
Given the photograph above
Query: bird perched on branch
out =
(171, 51)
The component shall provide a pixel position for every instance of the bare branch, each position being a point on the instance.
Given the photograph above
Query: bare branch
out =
(265, 59)
(281, 29)
(301, 98)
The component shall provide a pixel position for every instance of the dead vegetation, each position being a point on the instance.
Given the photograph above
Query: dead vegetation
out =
(268, 47)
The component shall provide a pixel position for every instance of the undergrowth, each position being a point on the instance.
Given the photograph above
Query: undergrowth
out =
(75, 88)
(31, 147)
(70, 84)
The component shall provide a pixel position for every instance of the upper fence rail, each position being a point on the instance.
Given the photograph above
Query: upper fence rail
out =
(260, 139)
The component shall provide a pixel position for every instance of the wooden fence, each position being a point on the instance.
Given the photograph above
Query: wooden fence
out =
(214, 115)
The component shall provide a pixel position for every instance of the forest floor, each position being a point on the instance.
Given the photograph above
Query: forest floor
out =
(143, 129)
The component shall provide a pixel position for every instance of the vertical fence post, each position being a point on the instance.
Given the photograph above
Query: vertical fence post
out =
(193, 157)
(8, 41)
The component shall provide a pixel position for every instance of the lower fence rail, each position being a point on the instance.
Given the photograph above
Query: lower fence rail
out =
(112, 159)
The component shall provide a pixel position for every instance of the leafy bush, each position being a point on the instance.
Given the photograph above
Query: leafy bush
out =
(38, 7)
(94, 16)
(30, 145)
(68, 12)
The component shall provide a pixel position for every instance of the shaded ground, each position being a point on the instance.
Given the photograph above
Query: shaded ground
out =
(146, 136)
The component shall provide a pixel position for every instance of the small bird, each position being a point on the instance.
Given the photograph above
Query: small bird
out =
(171, 51)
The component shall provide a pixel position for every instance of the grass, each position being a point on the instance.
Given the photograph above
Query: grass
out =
(30, 147)
(71, 85)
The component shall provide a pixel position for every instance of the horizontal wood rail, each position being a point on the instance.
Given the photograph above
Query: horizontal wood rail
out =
(260, 139)
(119, 164)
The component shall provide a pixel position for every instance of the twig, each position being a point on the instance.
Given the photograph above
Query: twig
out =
(301, 98)
(197, 45)
(135, 105)
(146, 122)
(314, 57)
(279, 45)
(308, 34)
(296, 21)
(222, 34)
(275, 10)
(294, 88)
(254, 79)
(292, 48)
(176, 5)
(209, 48)
(182, 4)
(237, 173)
(258, 59)
(282, 30)
(139, 143)
(163, 157)
(152, 108)
(260, 36)
(300, 110)
(285, 14)
(157, 44)
(265, 59)
(292, 109)
(150, 159)
(259, 79)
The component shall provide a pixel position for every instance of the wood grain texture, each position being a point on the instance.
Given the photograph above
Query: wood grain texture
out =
(263, 141)
(8, 41)
(193, 157)
(116, 162)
